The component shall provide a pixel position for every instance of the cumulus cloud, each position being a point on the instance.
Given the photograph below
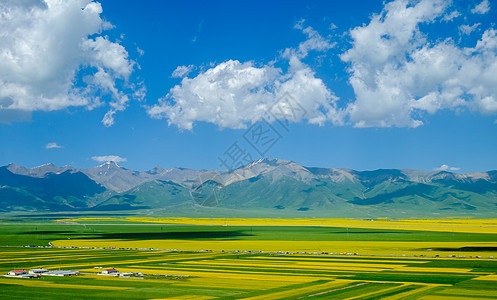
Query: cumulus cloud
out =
(109, 158)
(467, 30)
(397, 74)
(451, 16)
(481, 8)
(46, 48)
(233, 94)
(52, 145)
(182, 71)
(446, 168)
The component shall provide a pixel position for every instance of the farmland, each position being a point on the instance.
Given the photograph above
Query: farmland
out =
(226, 262)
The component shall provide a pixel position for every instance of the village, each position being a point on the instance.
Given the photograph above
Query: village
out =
(39, 272)
(34, 273)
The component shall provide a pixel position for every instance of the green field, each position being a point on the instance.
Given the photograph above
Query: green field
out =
(228, 275)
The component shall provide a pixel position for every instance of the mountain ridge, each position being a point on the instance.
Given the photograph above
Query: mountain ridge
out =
(267, 185)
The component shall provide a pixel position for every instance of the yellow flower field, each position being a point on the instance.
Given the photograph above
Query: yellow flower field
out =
(291, 259)
(444, 225)
(361, 247)
(224, 274)
(259, 276)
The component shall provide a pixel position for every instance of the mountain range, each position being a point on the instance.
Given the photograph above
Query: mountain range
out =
(265, 188)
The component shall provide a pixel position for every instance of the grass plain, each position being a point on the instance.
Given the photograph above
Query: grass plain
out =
(373, 274)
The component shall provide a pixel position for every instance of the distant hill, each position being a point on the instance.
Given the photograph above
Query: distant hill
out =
(267, 187)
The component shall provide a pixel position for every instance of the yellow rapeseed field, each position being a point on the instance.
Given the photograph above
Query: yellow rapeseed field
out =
(322, 266)
(444, 225)
(379, 291)
(361, 247)
(239, 283)
(292, 259)
(408, 293)
(224, 274)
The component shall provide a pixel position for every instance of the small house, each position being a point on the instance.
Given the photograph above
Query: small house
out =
(17, 272)
(110, 272)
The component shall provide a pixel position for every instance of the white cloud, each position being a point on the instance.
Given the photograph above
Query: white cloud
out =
(52, 145)
(451, 16)
(48, 45)
(397, 74)
(233, 94)
(467, 30)
(446, 168)
(481, 8)
(108, 158)
(182, 71)
(314, 42)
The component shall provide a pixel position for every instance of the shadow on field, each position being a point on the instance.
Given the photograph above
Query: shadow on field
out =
(47, 232)
(188, 235)
(71, 215)
(370, 232)
(466, 249)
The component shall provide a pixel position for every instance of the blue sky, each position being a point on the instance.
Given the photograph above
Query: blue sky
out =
(400, 84)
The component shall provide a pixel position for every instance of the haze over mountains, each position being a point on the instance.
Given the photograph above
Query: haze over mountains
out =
(267, 187)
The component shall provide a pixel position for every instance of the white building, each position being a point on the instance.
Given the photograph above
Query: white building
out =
(110, 272)
(61, 273)
(37, 271)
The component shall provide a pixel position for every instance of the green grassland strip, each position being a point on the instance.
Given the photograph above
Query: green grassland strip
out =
(418, 291)
(58, 260)
(282, 269)
(188, 270)
(393, 292)
(436, 271)
(40, 283)
(152, 291)
(116, 261)
(472, 292)
(358, 289)
(296, 289)
(333, 290)
(261, 294)
(51, 257)
(301, 264)
(440, 297)
(351, 259)
(159, 292)
(232, 275)
(85, 280)
(440, 278)
(248, 269)
(25, 292)
(59, 265)
(476, 265)
(413, 291)
(132, 284)
(475, 284)
(386, 288)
